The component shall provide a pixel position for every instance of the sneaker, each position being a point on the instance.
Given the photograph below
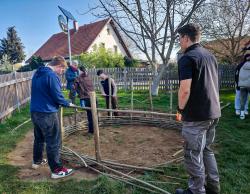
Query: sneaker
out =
(237, 112)
(242, 115)
(61, 173)
(182, 191)
(246, 112)
(38, 165)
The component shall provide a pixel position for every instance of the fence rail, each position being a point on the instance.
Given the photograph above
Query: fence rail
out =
(15, 87)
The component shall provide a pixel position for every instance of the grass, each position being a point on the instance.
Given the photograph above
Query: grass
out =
(232, 153)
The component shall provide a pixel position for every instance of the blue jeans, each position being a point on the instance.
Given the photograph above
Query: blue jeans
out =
(86, 103)
(47, 130)
(244, 92)
(237, 101)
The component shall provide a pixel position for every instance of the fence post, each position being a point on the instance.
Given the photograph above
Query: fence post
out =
(95, 124)
(17, 93)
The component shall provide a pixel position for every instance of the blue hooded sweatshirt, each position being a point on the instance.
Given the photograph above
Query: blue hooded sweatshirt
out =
(46, 94)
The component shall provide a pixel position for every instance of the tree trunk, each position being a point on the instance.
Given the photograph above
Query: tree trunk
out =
(157, 79)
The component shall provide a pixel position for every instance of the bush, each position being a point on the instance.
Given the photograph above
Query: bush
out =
(101, 58)
(34, 64)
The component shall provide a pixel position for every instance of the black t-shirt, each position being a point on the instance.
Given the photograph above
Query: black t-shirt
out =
(201, 66)
(185, 68)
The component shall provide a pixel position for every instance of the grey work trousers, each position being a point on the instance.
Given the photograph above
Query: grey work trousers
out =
(199, 158)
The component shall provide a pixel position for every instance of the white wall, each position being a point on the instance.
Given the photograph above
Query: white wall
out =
(110, 40)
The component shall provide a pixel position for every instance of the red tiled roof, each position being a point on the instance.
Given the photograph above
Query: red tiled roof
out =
(80, 41)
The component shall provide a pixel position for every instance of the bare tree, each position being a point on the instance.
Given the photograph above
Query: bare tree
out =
(226, 23)
(151, 25)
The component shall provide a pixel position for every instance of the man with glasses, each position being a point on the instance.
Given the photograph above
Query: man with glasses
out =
(199, 107)
(46, 97)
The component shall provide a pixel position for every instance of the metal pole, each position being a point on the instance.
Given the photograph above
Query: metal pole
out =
(70, 60)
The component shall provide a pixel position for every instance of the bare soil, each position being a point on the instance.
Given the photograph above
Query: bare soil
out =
(135, 145)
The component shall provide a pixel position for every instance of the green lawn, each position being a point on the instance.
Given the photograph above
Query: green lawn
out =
(232, 152)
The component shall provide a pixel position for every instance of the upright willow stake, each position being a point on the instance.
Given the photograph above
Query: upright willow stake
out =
(150, 96)
(95, 125)
(132, 97)
(110, 97)
(171, 97)
(61, 125)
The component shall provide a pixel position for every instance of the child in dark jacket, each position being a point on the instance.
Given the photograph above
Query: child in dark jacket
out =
(83, 85)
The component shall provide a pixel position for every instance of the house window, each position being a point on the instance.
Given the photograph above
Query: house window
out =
(115, 49)
(108, 31)
(102, 45)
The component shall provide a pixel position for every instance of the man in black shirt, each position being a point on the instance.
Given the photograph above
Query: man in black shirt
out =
(105, 91)
(199, 106)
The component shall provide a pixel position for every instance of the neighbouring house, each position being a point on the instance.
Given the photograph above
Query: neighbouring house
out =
(88, 37)
(223, 51)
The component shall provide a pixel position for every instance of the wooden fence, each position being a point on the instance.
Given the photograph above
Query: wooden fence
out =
(15, 87)
(14, 91)
(142, 77)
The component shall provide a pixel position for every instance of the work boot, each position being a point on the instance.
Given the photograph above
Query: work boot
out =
(182, 191)
(212, 189)
(208, 191)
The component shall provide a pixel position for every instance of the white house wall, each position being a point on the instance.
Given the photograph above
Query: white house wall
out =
(110, 40)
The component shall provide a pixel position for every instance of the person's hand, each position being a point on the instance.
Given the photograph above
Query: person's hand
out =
(104, 95)
(179, 114)
(72, 105)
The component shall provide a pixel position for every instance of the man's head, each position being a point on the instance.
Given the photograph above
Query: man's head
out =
(188, 35)
(101, 74)
(58, 64)
(83, 70)
(75, 63)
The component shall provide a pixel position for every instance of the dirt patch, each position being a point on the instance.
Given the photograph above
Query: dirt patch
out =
(136, 145)
(140, 145)
(22, 157)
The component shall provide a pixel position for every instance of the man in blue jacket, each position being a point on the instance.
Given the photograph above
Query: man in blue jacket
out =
(46, 97)
(71, 74)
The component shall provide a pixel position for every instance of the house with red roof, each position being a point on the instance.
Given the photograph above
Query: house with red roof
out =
(88, 37)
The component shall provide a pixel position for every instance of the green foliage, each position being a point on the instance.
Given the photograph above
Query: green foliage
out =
(5, 65)
(12, 46)
(100, 58)
(34, 64)
(130, 62)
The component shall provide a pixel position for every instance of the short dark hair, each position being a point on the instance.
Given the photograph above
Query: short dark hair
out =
(82, 68)
(99, 72)
(192, 30)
